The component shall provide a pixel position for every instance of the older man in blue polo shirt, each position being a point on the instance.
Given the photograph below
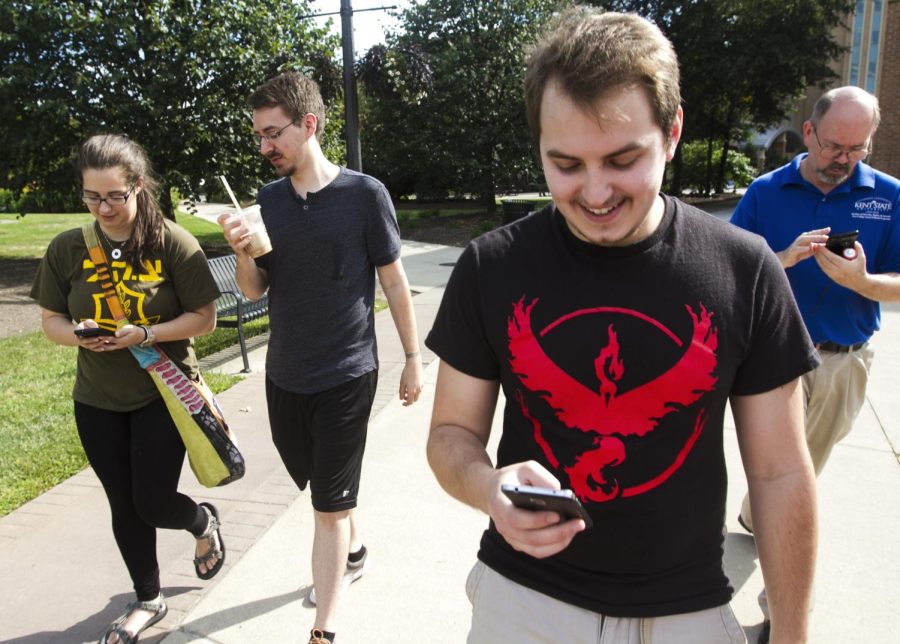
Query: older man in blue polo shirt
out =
(822, 193)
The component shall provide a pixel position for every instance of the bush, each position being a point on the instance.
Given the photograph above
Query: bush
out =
(738, 167)
(8, 201)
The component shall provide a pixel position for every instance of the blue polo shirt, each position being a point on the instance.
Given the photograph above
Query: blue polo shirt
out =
(782, 204)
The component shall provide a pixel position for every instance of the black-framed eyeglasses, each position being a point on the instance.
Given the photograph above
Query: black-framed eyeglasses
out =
(831, 151)
(112, 200)
(274, 136)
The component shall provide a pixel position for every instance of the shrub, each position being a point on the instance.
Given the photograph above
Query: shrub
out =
(738, 167)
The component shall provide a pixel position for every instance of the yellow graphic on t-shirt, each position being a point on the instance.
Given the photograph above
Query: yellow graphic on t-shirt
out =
(152, 271)
(132, 301)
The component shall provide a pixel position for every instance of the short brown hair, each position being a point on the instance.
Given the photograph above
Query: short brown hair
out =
(296, 94)
(589, 53)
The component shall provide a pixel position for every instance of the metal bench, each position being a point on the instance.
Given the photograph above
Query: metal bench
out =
(514, 209)
(232, 308)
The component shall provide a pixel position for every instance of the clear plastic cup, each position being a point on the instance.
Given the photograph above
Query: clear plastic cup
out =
(260, 244)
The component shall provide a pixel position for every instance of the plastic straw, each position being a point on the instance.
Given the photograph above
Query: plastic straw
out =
(231, 194)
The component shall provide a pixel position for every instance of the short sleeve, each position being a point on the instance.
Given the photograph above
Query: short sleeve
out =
(52, 282)
(458, 336)
(780, 348)
(744, 215)
(382, 230)
(191, 276)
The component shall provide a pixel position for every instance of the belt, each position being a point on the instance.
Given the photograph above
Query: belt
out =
(833, 347)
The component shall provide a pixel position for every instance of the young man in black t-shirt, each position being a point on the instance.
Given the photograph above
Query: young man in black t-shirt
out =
(619, 322)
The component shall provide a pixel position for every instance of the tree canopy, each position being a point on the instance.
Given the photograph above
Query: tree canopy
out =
(744, 62)
(174, 75)
(442, 106)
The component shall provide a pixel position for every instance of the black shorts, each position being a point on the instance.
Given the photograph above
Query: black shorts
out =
(321, 438)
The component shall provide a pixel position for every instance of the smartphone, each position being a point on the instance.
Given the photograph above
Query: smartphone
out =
(542, 498)
(93, 332)
(839, 242)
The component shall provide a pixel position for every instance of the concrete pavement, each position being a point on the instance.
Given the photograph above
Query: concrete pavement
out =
(64, 580)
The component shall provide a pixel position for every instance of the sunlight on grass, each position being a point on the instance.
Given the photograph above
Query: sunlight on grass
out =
(39, 446)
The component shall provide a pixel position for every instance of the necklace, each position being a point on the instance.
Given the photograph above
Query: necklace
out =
(115, 250)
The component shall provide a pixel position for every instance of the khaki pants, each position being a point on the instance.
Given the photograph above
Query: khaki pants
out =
(834, 394)
(504, 612)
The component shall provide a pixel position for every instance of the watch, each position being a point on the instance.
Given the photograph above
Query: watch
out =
(149, 336)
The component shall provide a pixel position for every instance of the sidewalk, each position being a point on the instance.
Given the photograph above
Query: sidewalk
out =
(64, 580)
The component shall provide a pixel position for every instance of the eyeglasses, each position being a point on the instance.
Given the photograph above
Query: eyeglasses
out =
(112, 200)
(831, 151)
(274, 136)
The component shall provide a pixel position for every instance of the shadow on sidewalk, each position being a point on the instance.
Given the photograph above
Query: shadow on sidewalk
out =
(93, 626)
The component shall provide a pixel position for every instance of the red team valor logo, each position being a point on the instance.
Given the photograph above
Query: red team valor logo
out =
(608, 414)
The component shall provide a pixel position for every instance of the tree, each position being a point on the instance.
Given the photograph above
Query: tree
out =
(443, 110)
(172, 75)
(744, 62)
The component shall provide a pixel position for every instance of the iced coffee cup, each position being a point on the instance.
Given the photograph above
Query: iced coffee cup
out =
(260, 244)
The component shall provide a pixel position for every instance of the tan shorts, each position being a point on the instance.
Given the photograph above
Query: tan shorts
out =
(504, 611)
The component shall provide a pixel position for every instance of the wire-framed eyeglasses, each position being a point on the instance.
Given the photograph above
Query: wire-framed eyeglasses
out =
(112, 200)
(274, 136)
(831, 151)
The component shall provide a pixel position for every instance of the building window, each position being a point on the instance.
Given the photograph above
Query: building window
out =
(856, 48)
(874, 41)
(866, 44)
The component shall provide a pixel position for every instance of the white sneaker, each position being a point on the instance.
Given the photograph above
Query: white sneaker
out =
(354, 571)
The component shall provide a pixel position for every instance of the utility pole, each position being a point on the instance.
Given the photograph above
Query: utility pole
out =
(351, 105)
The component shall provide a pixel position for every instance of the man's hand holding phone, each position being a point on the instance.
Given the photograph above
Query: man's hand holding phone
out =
(843, 259)
(537, 532)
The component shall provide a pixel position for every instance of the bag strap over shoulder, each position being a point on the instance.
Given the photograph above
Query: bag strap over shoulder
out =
(104, 275)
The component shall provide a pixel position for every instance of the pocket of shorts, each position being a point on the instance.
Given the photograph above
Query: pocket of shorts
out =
(473, 581)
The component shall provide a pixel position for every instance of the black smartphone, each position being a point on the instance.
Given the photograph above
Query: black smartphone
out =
(93, 332)
(839, 242)
(542, 498)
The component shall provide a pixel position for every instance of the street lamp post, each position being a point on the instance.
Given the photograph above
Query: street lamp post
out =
(351, 106)
(351, 109)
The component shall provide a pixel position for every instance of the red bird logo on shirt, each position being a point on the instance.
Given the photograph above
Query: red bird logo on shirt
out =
(607, 413)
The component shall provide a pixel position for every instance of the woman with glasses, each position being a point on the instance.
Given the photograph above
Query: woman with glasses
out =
(167, 291)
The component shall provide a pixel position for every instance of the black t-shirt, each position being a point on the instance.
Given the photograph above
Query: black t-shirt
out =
(321, 271)
(616, 364)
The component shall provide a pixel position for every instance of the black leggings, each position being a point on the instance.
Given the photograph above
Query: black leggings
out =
(137, 456)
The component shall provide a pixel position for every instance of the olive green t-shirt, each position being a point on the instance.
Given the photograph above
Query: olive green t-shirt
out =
(172, 281)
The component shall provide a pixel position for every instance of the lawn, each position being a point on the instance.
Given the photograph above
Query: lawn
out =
(39, 446)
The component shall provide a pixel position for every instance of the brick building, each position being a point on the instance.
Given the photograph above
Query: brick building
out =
(871, 35)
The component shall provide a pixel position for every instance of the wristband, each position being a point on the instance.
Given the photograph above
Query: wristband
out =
(149, 336)
(412, 354)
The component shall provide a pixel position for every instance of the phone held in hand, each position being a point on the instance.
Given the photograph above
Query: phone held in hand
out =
(93, 332)
(841, 243)
(563, 502)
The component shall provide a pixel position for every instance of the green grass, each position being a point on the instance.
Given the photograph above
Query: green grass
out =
(409, 216)
(38, 443)
(222, 337)
(28, 236)
(39, 446)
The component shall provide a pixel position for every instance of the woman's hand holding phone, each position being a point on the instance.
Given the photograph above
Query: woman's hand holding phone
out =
(95, 338)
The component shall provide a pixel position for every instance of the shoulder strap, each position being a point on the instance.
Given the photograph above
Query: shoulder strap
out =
(104, 275)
